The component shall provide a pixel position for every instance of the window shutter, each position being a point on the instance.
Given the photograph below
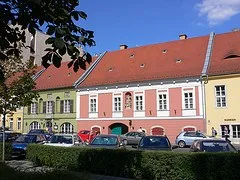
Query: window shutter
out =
(44, 107)
(53, 107)
(71, 106)
(36, 108)
(61, 106)
(29, 109)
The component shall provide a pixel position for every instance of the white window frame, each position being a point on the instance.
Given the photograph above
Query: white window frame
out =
(235, 132)
(220, 96)
(67, 128)
(189, 99)
(93, 114)
(19, 123)
(162, 112)
(67, 106)
(11, 123)
(49, 107)
(34, 108)
(119, 112)
(34, 125)
(190, 111)
(141, 112)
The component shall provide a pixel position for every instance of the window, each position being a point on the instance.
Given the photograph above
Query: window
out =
(117, 104)
(34, 125)
(188, 100)
(220, 96)
(11, 123)
(236, 131)
(67, 128)
(49, 107)
(67, 106)
(19, 123)
(93, 105)
(162, 99)
(139, 102)
(34, 108)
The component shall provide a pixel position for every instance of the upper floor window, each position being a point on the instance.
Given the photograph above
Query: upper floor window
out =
(19, 123)
(220, 96)
(48, 107)
(162, 100)
(66, 106)
(93, 104)
(11, 123)
(34, 108)
(188, 100)
(117, 103)
(139, 102)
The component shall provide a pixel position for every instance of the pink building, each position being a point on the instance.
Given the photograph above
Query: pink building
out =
(157, 87)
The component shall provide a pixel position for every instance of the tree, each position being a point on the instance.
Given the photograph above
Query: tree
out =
(16, 89)
(58, 17)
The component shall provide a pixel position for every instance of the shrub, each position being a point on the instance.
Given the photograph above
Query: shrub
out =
(8, 150)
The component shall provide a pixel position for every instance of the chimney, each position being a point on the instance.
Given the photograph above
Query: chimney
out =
(182, 36)
(123, 46)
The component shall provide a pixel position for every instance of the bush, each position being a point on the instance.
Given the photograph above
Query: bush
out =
(139, 164)
(8, 150)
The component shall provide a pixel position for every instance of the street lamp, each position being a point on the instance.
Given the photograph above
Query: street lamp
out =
(3, 141)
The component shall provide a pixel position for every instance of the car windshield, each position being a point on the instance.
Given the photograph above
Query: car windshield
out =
(154, 142)
(27, 139)
(217, 147)
(61, 139)
(104, 140)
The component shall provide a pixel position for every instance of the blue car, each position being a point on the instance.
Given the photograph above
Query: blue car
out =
(19, 146)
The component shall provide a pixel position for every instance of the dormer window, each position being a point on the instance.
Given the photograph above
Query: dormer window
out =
(110, 69)
(164, 51)
(142, 65)
(232, 56)
(131, 56)
(178, 60)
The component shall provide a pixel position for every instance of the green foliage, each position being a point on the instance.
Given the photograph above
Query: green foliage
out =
(139, 164)
(11, 174)
(8, 150)
(58, 17)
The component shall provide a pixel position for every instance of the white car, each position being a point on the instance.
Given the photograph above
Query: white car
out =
(65, 140)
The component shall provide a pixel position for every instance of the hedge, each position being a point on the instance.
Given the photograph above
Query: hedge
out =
(8, 151)
(138, 164)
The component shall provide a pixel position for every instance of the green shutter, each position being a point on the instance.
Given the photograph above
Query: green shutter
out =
(61, 106)
(71, 106)
(44, 107)
(37, 108)
(53, 107)
(29, 109)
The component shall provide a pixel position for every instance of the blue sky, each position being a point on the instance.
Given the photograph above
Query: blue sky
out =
(143, 22)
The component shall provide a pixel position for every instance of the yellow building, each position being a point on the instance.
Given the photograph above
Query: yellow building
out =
(15, 121)
(222, 88)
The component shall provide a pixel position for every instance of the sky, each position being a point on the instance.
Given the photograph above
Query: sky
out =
(143, 22)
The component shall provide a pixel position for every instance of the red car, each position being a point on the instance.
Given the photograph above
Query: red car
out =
(87, 135)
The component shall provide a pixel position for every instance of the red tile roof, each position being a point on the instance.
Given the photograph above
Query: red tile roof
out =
(225, 45)
(149, 62)
(63, 77)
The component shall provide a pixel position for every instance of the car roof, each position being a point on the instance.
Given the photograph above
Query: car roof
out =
(107, 135)
(210, 140)
(163, 136)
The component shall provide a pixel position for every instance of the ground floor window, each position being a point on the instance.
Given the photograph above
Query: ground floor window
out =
(236, 131)
(34, 125)
(189, 129)
(67, 128)
(222, 130)
(158, 131)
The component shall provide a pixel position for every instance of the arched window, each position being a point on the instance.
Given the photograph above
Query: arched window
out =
(67, 128)
(158, 131)
(128, 100)
(189, 129)
(96, 129)
(34, 125)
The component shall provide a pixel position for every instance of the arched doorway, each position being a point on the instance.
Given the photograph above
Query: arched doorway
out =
(96, 129)
(67, 128)
(118, 128)
(34, 125)
(158, 131)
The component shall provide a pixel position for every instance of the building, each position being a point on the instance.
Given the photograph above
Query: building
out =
(223, 86)
(157, 87)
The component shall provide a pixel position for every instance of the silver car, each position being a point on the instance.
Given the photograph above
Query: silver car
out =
(187, 138)
(133, 137)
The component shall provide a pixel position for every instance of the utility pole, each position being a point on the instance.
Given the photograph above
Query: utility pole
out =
(3, 141)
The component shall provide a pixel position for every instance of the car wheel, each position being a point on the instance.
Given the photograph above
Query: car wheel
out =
(181, 144)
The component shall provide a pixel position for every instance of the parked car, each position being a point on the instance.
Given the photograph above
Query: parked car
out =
(9, 136)
(86, 135)
(41, 131)
(19, 146)
(187, 138)
(133, 137)
(212, 145)
(111, 141)
(65, 140)
(155, 142)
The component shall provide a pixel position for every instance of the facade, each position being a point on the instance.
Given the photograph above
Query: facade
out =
(222, 86)
(14, 122)
(56, 106)
(157, 87)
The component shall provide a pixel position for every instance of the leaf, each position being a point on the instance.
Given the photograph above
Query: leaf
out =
(82, 63)
(62, 51)
(75, 67)
(45, 59)
(60, 32)
(32, 30)
(50, 40)
(75, 15)
(58, 43)
(70, 64)
(51, 30)
(56, 60)
(88, 58)
(82, 14)
(41, 22)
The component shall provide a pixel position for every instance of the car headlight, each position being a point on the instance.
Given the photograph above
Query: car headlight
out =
(25, 148)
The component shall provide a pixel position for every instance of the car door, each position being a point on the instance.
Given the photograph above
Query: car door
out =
(138, 136)
(130, 138)
(189, 137)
